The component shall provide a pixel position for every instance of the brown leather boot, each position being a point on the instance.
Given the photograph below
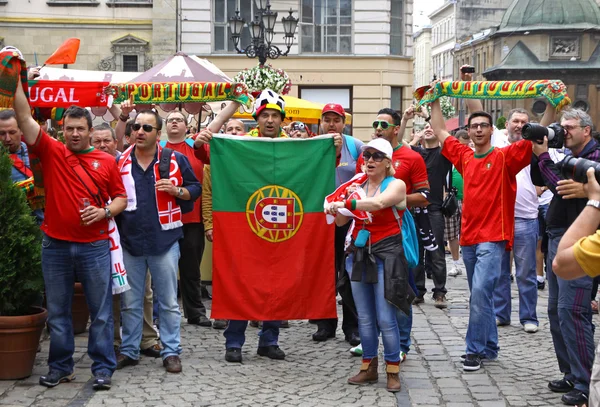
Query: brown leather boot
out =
(367, 374)
(393, 379)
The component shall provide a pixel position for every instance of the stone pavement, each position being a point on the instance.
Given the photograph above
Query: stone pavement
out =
(314, 374)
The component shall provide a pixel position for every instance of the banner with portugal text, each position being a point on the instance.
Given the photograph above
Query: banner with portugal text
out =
(273, 252)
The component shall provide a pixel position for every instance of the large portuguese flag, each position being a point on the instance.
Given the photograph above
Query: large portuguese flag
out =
(273, 252)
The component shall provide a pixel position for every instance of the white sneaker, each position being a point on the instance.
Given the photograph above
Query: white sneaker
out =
(455, 271)
(357, 350)
(530, 328)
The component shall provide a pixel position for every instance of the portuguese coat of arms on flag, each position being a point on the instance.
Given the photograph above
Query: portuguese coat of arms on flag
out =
(273, 253)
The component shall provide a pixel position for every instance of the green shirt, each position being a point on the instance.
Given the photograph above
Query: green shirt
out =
(457, 182)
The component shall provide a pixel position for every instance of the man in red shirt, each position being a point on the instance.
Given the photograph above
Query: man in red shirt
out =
(192, 245)
(487, 225)
(79, 182)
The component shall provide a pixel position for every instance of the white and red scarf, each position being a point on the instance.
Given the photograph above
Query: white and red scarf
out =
(340, 194)
(169, 212)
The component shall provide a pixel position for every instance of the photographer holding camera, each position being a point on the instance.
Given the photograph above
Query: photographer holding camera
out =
(569, 309)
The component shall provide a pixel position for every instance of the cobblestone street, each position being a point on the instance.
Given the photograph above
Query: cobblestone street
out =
(314, 374)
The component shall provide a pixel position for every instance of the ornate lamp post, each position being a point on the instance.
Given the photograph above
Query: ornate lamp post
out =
(261, 32)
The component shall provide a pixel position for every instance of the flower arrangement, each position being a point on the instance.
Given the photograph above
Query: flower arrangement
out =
(263, 77)
(448, 110)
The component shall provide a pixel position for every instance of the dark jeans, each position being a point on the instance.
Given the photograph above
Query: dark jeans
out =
(435, 260)
(349, 313)
(62, 262)
(235, 334)
(570, 316)
(192, 248)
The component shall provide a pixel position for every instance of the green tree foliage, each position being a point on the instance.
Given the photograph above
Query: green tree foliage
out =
(21, 280)
(501, 123)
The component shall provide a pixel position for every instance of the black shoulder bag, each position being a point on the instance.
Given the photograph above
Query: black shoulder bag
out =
(450, 205)
(164, 168)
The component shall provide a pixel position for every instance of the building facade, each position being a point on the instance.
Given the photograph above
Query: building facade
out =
(118, 35)
(473, 16)
(354, 52)
(443, 39)
(422, 67)
(541, 41)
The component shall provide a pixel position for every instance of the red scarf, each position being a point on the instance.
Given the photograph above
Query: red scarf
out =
(20, 165)
(169, 212)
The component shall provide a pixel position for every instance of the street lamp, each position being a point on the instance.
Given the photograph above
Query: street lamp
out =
(262, 31)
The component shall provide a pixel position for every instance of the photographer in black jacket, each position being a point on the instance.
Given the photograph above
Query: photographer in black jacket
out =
(569, 309)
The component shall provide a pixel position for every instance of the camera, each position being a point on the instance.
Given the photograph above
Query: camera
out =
(536, 132)
(576, 168)
(299, 126)
(467, 69)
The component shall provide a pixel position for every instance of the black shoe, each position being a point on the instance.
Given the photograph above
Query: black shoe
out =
(322, 335)
(353, 339)
(285, 324)
(152, 351)
(54, 378)
(102, 382)
(272, 352)
(561, 386)
(575, 398)
(418, 300)
(541, 285)
(220, 324)
(123, 361)
(463, 357)
(205, 294)
(233, 355)
(202, 320)
(472, 363)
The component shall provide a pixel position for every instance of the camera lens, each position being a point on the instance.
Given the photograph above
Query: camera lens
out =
(576, 168)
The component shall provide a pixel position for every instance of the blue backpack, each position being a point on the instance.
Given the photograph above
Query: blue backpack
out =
(410, 242)
(351, 146)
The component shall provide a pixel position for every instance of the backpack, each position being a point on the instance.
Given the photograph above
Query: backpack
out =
(410, 241)
(351, 146)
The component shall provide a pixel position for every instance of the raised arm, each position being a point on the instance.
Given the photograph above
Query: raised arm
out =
(437, 122)
(549, 115)
(122, 113)
(473, 105)
(224, 115)
(27, 124)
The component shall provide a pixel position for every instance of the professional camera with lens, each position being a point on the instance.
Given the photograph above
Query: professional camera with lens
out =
(299, 126)
(536, 132)
(576, 168)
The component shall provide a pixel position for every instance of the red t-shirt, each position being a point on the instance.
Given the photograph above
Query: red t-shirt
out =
(490, 189)
(63, 188)
(384, 224)
(184, 148)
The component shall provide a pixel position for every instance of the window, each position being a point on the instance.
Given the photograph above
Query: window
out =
(326, 26)
(396, 99)
(223, 11)
(63, 3)
(396, 28)
(324, 95)
(129, 3)
(130, 63)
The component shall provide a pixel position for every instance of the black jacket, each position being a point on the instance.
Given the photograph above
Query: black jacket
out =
(397, 291)
(544, 172)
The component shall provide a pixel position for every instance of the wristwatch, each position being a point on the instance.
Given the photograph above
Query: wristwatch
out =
(107, 213)
(594, 203)
(180, 193)
(123, 118)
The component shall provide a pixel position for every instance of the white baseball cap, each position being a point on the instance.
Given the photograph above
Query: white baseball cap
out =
(380, 144)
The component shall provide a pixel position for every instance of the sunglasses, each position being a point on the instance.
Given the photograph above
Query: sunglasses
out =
(383, 124)
(146, 127)
(376, 156)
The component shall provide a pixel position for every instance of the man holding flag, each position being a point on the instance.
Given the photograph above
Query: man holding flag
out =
(279, 290)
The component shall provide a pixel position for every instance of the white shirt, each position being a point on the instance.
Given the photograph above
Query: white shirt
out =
(526, 204)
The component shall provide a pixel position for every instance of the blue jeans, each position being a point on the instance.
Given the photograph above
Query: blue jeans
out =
(524, 248)
(62, 261)
(375, 315)
(163, 269)
(235, 334)
(482, 262)
(570, 315)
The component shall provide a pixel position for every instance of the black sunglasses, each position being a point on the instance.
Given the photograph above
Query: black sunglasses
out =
(376, 156)
(147, 127)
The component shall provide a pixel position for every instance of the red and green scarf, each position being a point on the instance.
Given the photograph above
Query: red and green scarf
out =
(12, 69)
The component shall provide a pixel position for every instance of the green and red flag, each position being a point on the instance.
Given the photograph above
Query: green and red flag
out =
(273, 252)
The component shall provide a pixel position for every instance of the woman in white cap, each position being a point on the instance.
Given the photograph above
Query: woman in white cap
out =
(376, 263)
